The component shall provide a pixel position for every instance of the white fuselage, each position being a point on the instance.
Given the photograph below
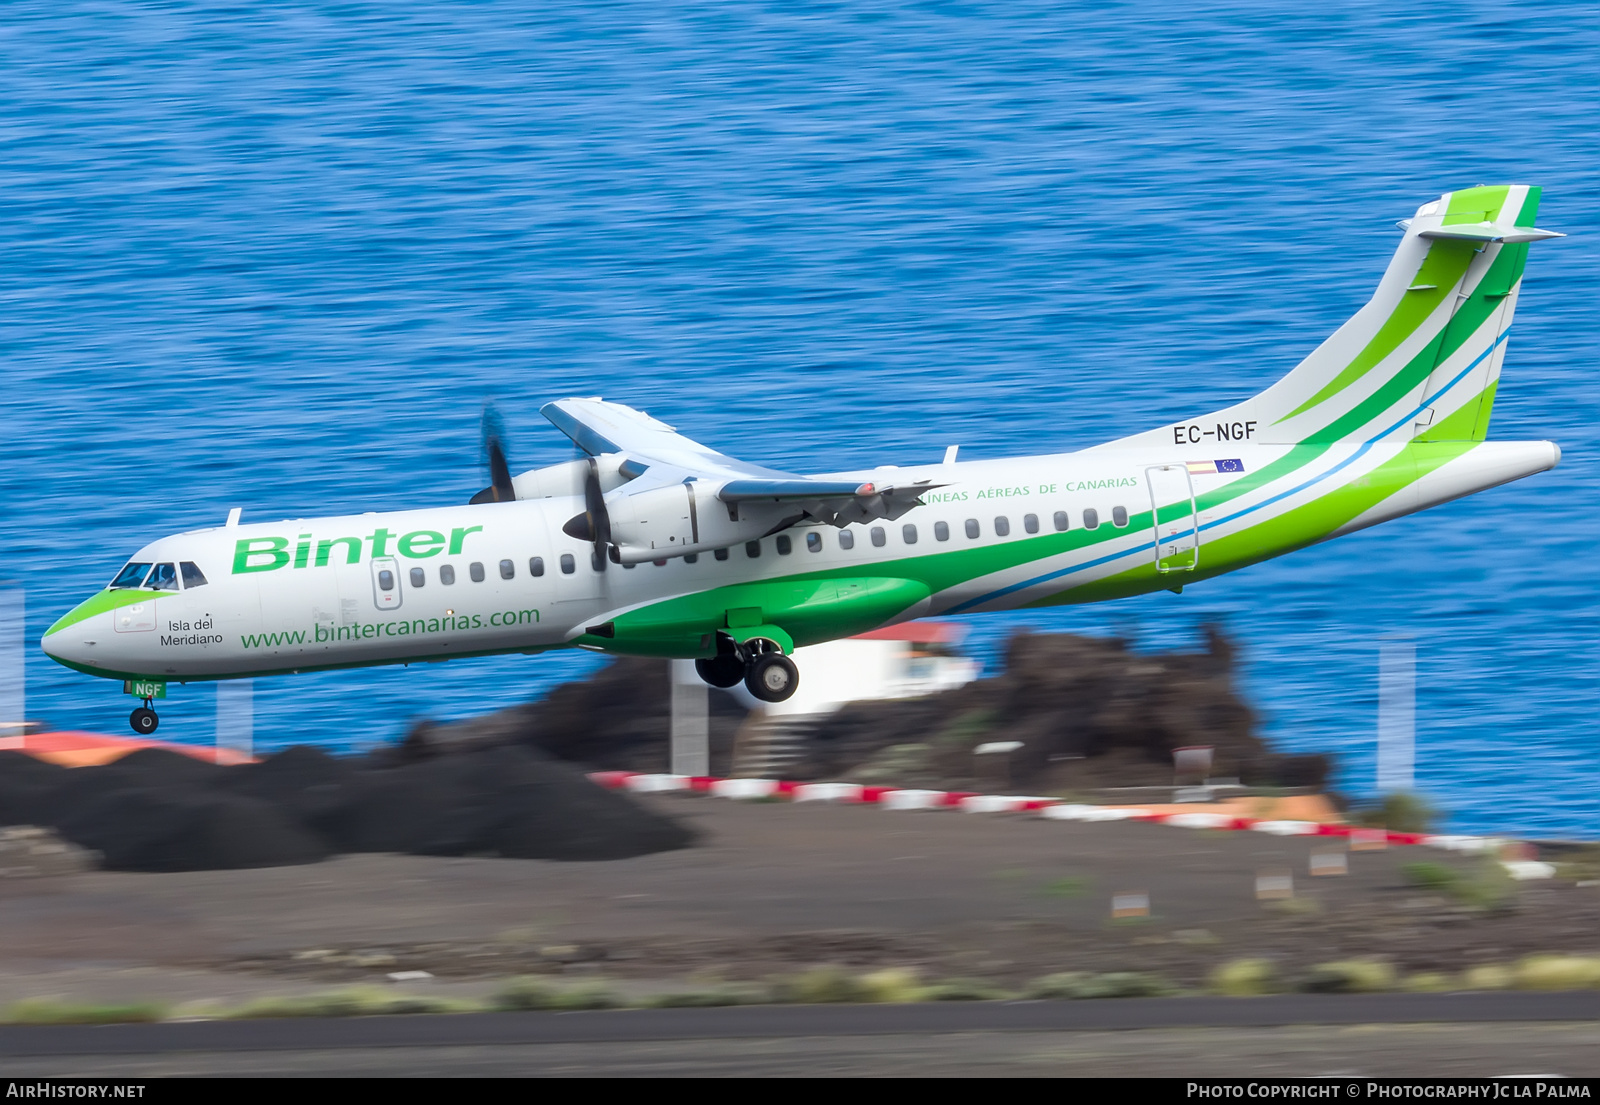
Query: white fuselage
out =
(310, 593)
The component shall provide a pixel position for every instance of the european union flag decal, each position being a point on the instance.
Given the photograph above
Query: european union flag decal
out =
(1214, 467)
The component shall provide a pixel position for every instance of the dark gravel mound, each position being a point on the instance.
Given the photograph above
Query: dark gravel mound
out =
(504, 801)
(27, 786)
(618, 719)
(169, 829)
(162, 811)
(306, 782)
(158, 767)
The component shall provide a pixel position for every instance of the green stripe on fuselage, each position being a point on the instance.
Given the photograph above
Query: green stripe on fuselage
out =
(699, 613)
(1294, 529)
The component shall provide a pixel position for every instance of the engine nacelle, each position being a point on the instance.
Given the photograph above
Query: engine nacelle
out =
(559, 481)
(682, 518)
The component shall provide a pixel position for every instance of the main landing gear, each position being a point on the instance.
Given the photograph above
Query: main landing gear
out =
(723, 670)
(767, 672)
(144, 720)
(772, 678)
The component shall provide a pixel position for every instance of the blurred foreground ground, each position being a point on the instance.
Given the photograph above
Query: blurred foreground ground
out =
(772, 890)
(1373, 1050)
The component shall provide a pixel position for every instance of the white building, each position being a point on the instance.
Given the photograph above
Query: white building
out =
(902, 661)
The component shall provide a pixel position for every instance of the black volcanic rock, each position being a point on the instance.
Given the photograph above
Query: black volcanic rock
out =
(161, 811)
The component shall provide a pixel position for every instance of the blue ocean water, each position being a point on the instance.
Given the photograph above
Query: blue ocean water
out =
(277, 255)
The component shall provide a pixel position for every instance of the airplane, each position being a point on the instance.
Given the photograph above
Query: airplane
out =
(652, 544)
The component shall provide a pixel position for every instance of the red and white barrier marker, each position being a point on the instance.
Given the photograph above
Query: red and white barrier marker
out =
(1054, 809)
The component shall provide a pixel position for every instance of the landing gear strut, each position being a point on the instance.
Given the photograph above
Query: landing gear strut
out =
(144, 720)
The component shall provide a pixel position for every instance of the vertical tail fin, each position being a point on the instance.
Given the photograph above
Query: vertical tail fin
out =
(1422, 359)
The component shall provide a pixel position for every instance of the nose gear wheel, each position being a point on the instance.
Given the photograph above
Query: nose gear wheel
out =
(144, 721)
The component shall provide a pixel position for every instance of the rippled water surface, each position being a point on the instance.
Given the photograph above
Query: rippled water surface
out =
(278, 255)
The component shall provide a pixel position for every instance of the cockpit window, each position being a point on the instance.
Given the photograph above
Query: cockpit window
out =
(192, 575)
(130, 576)
(164, 577)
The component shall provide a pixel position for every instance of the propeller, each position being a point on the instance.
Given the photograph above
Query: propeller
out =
(500, 489)
(594, 524)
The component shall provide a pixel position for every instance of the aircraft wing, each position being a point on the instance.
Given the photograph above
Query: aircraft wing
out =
(657, 455)
(598, 427)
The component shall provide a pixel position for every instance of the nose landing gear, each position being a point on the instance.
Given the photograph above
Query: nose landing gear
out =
(144, 720)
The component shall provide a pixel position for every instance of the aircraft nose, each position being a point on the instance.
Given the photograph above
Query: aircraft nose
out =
(61, 644)
(71, 640)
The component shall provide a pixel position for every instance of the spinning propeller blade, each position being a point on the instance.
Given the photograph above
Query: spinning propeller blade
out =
(500, 489)
(594, 524)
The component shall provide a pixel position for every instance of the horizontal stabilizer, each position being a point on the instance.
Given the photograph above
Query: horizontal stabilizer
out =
(1489, 232)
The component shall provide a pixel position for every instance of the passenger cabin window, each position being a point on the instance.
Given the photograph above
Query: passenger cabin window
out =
(447, 574)
(720, 554)
(386, 580)
(659, 563)
(941, 531)
(475, 570)
(973, 529)
(752, 549)
(1119, 516)
(508, 570)
(629, 567)
(785, 546)
(1091, 519)
(909, 532)
(418, 577)
(192, 575)
(536, 566)
(814, 542)
(163, 577)
(568, 565)
(691, 558)
(1002, 526)
(847, 540)
(131, 576)
(1030, 522)
(879, 538)
(1062, 521)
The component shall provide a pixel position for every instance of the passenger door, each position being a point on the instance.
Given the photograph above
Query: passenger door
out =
(1173, 517)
